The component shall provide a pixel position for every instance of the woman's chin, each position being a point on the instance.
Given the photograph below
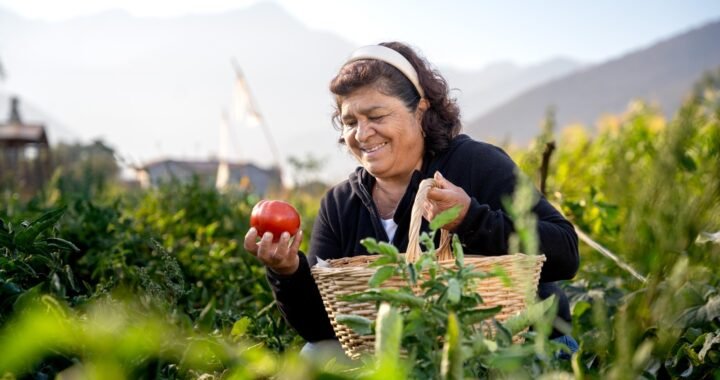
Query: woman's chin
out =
(374, 169)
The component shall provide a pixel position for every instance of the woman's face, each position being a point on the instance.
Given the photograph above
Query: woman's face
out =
(382, 133)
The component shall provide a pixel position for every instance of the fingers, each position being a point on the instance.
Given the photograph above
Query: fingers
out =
(296, 241)
(445, 196)
(281, 256)
(445, 190)
(250, 242)
(266, 249)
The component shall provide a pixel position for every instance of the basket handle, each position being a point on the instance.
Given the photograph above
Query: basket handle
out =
(413, 250)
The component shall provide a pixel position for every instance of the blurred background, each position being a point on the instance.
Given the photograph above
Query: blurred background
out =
(136, 136)
(178, 87)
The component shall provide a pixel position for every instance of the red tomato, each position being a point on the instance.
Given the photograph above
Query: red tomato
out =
(275, 217)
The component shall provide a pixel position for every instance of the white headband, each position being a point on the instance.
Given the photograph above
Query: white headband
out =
(391, 57)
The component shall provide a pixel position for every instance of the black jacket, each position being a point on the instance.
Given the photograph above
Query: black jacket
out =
(348, 214)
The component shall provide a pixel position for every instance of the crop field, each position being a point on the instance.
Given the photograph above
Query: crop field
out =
(101, 281)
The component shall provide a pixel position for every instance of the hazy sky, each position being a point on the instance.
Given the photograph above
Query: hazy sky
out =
(461, 34)
(523, 31)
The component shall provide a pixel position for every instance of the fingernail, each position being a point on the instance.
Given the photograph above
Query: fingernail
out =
(267, 236)
(285, 235)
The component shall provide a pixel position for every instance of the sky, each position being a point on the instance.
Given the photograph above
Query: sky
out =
(521, 31)
(457, 34)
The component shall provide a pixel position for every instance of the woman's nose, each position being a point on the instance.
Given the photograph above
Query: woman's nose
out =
(363, 130)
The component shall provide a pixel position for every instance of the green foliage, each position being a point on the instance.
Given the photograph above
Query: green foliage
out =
(175, 249)
(100, 281)
(649, 190)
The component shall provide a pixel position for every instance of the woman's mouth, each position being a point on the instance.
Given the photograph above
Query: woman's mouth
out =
(373, 148)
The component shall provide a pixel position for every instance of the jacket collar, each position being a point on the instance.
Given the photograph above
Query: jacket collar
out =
(361, 182)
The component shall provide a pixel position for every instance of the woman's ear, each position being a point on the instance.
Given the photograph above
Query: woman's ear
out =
(422, 106)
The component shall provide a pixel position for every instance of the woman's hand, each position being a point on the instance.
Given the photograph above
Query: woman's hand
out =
(280, 257)
(443, 197)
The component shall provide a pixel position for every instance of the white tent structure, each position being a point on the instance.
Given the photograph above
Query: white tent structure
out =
(244, 113)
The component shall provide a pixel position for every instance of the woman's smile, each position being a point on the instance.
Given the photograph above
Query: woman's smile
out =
(370, 149)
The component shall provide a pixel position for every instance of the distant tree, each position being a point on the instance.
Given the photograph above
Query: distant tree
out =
(84, 169)
(305, 173)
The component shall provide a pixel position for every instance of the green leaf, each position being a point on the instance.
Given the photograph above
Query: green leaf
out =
(458, 251)
(580, 308)
(388, 334)
(471, 317)
(206, 320)
(371, 245)
(361, 325)
(501, 273)
(387, 249)
(62, 244)
(412, 273)
(453, 291)
(445, 217)
(451, 367)
(240, 327)
(70, 277)
(710, 340)
(529, 316)
(381, 275)
(25, 237)
(396, 296)
(700, 314)
(383, 260)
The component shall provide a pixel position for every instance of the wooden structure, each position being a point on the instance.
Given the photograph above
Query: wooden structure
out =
(24, 152)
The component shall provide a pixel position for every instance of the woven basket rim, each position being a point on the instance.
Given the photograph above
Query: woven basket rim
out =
(363, 260)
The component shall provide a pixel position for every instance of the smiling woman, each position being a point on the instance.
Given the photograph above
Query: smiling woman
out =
(394, 115)
(383, 134)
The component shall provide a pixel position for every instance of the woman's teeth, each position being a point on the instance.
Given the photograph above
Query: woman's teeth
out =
(373, 149)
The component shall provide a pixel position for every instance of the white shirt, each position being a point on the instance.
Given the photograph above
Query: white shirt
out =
(390, 227)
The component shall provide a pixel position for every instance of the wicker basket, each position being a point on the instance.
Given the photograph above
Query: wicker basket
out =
(351, 275)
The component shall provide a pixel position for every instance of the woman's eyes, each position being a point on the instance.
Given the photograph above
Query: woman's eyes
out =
(353, 123)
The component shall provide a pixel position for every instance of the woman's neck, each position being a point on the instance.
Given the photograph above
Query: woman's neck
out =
(387, 194)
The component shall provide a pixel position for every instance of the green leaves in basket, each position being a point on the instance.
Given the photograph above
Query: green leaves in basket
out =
(445, 217)
(381, 275)
(361, 325)
(394, 296)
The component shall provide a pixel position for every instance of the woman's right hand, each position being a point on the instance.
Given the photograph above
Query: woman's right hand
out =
(280, 257)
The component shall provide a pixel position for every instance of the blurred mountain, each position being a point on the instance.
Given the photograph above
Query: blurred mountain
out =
(156, 87)
(662, 74)
(480, 91)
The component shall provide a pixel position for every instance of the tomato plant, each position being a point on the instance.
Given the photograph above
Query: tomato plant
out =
(275, 217)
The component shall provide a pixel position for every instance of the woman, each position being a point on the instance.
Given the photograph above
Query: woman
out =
(396, 118)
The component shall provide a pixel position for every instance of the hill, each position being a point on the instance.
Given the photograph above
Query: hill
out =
(662, 74)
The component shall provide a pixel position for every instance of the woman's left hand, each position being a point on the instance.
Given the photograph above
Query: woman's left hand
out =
(443, 197)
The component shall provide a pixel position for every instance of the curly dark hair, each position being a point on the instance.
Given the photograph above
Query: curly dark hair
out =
(441, 121)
